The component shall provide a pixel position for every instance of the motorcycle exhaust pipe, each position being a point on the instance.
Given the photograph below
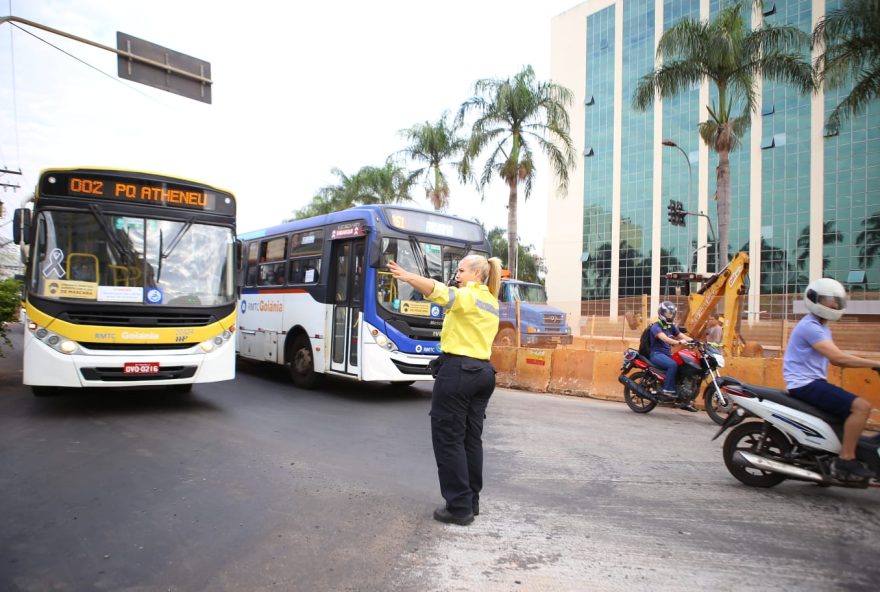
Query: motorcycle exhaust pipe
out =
(635, 387)
(751, 460)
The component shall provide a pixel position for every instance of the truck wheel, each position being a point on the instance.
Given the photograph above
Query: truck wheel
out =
(506, 337)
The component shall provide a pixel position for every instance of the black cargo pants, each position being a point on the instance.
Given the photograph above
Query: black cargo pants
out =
(458, 407)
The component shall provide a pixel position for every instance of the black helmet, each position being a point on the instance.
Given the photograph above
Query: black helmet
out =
(667, 311)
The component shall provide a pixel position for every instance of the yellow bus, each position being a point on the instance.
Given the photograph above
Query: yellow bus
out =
(130, 280)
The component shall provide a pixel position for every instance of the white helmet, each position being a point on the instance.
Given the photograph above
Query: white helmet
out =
(832, 292)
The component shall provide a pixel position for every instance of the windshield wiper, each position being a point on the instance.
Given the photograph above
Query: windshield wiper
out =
(417, 248)
(163, 254)
(124, 251)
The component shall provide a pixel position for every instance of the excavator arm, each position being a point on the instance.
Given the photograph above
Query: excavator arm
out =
(730, 284)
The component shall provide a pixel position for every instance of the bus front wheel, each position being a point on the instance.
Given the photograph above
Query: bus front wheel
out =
(301, 362)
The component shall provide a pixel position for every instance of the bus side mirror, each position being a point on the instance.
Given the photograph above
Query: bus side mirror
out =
(375, 257)
(21, 226)
(239, 254)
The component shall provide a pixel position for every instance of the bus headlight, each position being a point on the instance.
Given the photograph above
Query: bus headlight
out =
(383, 341)
(53, 340)
(213, 343)
(67, 347)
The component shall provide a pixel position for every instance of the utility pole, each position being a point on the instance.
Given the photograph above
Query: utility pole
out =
(5, 186)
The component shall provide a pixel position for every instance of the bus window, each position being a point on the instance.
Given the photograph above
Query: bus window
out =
(253, 257)
(272, 254)
(304, 271)
(272, 274)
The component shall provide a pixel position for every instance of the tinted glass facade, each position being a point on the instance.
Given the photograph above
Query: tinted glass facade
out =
(773, 199)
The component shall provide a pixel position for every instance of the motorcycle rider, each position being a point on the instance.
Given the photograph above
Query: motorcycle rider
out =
(805, 369)
(664, 334)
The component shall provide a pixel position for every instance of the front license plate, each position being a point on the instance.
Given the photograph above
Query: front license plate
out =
(140, 368)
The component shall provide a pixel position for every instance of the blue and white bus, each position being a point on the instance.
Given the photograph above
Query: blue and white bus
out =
(318, 298)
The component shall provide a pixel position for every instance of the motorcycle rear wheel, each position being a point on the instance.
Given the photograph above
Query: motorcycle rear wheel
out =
(635, 402)
(714, 409)
(750, 437)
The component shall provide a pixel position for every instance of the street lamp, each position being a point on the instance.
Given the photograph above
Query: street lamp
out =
(687, 159)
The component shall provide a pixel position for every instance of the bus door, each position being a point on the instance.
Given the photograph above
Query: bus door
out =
(347, 284)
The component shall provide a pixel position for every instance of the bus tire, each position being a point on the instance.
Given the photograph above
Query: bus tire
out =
(44, 391)
(301, 362)
(181, 389)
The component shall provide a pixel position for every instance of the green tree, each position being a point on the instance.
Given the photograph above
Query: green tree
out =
(10, 300)
(387, 184)
(528, 262)
(513, 117)
(370, 185)
(731, 55)
(849, 41)
(433, 145)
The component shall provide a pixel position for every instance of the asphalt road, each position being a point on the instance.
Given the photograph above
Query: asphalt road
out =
(256, 485)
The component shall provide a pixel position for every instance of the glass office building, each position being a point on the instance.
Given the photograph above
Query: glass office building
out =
(804, 203)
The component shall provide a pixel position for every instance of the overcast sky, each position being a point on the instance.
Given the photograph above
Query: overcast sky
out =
(299, 88)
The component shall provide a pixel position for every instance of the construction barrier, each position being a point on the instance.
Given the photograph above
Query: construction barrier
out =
(592, 373)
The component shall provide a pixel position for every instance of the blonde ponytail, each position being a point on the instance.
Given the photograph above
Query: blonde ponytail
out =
(494, 279)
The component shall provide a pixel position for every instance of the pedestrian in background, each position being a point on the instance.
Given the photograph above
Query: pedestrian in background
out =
(464, 379)
(714, 332)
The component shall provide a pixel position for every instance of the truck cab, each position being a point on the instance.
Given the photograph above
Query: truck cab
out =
(540, 325)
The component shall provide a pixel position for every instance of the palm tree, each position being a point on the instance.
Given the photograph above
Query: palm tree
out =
(830, 236)
(731, 55)
(868, 240)
(433, 145)
(849, 40)
(370, 185)
(383, 185)
(512, 114)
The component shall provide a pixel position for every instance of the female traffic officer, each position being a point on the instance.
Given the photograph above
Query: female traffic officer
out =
(465, 379)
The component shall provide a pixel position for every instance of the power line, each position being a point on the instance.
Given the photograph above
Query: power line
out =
(67, 53)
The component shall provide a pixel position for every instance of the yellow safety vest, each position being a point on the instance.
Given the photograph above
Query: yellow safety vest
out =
(471, 319)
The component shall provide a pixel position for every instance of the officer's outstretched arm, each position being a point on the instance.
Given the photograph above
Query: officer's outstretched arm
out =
(420, 283)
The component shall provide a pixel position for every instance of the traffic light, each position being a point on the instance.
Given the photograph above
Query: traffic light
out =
(675, 212)
(681, 213)
(672, 214)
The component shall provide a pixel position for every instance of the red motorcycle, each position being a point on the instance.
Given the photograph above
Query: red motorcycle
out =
(698, 362)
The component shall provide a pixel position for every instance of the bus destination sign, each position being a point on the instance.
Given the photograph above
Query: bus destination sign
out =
(135, 190)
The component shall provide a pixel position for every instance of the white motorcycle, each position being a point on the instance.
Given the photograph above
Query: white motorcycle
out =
(785, 438)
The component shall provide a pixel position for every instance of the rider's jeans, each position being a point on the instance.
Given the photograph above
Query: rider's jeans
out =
(669, 365)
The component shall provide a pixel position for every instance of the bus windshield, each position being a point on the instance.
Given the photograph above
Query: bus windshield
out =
(131, 259)
(428, 257)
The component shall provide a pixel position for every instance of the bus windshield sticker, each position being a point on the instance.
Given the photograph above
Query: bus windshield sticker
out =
(54, 267)
(70, 289)
(417, 308)
(310, 276)
(154, 296)
(120, 294)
